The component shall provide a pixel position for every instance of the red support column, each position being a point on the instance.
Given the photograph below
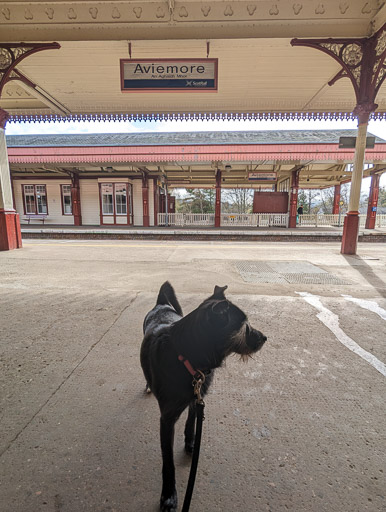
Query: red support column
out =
(293, 199)
(145, 200)
(373, 202)
(75, 196)
(336, 205)
(217, 214)
(363, 62)
(10, 234)
(156, 201)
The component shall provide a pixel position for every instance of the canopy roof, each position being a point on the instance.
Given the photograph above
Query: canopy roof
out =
(191, 159)
(259, 73)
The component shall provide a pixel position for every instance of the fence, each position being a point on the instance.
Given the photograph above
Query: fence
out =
(186, 219)
(254, 219)
(260, 220)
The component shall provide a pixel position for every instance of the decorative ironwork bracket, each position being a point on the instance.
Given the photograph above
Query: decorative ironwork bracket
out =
(363, 61)
(11, 54)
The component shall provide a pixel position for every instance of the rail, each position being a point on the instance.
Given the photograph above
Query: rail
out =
(260, 220)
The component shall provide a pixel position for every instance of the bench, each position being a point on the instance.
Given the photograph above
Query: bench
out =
(35, 216)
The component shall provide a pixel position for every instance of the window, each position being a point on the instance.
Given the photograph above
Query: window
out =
(35, 199)
(121, 199)
(107, 199)
(66, 199)
(114, 198)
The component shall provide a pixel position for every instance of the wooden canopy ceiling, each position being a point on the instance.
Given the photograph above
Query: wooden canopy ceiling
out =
(259, 72)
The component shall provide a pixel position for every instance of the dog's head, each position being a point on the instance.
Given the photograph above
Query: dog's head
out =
(219, 328)
(232, 322)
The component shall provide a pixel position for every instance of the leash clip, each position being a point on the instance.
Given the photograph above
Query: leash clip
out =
(198, 381)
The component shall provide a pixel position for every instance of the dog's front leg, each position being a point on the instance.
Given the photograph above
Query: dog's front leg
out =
(168, 501)
(189, 428)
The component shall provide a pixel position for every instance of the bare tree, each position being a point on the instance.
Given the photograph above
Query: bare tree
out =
(238, 200)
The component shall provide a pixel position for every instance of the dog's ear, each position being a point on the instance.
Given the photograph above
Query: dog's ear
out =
(219, 315)
(219, 292)
(221, 308)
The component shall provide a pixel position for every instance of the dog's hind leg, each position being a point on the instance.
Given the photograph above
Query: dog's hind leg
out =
(168, 502)
(189, 428)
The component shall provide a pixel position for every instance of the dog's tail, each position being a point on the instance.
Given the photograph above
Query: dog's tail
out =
(167, 296)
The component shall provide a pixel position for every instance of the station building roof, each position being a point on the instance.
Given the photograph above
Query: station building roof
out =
(191, 159)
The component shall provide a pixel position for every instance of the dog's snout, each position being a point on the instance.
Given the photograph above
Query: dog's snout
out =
(255, 339)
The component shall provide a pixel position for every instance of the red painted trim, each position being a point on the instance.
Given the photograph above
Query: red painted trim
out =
(36, 199)
(61, 198)
(10, 234)
(350, 233)
(293, 199)
(373, 202)
(217, 215)
(242, 152)
(336, 205)
(128, 215)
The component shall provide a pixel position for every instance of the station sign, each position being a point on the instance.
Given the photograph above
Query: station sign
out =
(187, 75)
(262, 176)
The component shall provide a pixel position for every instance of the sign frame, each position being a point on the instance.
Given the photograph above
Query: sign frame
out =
(168, 89)
(262, 176)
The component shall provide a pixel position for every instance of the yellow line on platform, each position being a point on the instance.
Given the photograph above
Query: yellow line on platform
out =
(140, 246)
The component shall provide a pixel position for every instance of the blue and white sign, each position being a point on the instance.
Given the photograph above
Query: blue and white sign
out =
(262, 176)
(169, 75)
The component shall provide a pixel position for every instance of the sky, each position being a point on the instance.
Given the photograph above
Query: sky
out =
(375, 127)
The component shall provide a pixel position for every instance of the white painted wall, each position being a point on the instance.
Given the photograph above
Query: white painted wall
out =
(89, 200)
(53, 201)
(137, 203)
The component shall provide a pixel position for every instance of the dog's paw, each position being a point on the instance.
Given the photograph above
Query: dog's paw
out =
(169, 504)
(147, 389)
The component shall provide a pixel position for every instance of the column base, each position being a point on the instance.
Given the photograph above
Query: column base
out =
(10, 234)
(146, 221)
(292, 222)
(217, 221)
(350, 233)
(370, 222)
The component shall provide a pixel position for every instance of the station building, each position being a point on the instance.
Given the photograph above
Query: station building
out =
(128, 179)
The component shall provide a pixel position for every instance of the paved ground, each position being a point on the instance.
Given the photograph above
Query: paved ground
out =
(300, 428)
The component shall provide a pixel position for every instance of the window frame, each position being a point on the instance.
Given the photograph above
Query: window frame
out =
(35, 195)
(62, 198)
(129, 202)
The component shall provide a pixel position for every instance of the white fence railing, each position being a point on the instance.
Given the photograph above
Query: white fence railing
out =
(186, 219)
(326, 219)
(254, 219)
(380, 220)
(260, 220)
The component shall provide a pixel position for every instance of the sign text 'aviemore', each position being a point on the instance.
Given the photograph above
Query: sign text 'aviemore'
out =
(169, 75)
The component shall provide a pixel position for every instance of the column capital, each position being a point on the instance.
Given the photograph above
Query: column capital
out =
(362, 61)
(4, 116)
(11, 54)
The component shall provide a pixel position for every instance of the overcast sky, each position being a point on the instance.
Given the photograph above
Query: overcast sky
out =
(375, 127)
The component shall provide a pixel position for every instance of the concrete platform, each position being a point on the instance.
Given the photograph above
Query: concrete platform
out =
(301, 427)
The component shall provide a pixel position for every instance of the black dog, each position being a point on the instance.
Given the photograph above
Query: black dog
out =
(174, 348)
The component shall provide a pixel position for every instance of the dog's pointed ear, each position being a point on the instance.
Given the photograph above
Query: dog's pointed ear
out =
(219, 292)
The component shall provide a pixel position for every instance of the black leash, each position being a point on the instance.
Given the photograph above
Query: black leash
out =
(200, 405)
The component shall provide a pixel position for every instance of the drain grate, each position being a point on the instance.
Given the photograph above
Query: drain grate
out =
(314, 278)
(283, 272)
